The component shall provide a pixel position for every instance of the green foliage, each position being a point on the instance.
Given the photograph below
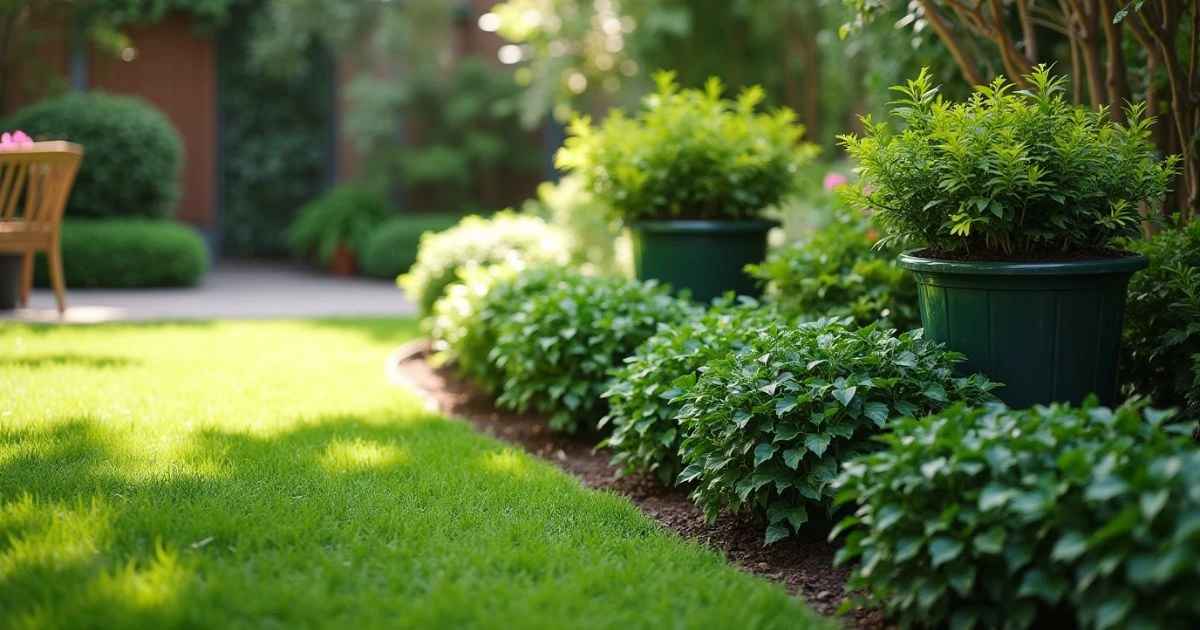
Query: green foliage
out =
(1162, 322)
(572, 207)
(986, 517)
(128, 254)
(838, 272)
(391, 248)
(478, 242)
(465, 321)
(768, 427)
(133, 153)
(646, 435)
(689, 154)
(276, 137)
(1006, 171)
(467, 147)
(345, 216)
(555, 347)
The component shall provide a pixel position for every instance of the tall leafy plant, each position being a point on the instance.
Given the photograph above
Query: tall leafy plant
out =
(1007, 173)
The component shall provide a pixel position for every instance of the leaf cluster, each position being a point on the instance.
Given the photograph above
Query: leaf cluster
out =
(1161, 344)
(838, 272)
(768, 427)
(1052, 516)
(689, 154)
(346, 215)
(1007, 171)
(643, 409)
(463, 325)
(478, 242)
(555, 348)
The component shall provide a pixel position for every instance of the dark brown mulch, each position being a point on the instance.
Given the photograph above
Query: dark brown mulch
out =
(1021, 256)
(804, 566)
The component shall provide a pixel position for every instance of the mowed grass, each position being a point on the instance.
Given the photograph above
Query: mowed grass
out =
(266, 474)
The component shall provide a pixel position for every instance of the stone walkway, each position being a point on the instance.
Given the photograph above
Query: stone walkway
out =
(232, 290)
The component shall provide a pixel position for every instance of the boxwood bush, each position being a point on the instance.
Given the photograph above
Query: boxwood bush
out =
(478, 241)
(556, 347)
(1051, 517)
(1162, 335)
(646, 435)
(768, 427)
(128, 254)
(133, 153)
(391, 248)
(838, 272)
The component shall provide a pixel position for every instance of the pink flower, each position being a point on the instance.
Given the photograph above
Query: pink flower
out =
(833, 180)
(15, 140)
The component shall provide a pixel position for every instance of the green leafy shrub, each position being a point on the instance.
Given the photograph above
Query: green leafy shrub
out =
(767, 427)
(646, 435)
(128, 254)
(689, 154)
(478, 241)
(345, 215)
(1162, 334)
(838, 272)
(555, 347)
(464, 324)
(391, 248)
(133, 153)
(1051, 517)
(1008, 171)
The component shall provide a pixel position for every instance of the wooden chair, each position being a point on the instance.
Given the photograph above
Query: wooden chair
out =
(35, 181)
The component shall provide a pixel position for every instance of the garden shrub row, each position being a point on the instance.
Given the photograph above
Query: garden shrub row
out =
(128, 254)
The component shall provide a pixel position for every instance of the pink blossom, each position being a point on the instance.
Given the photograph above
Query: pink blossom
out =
(15, 140)
(833, 180)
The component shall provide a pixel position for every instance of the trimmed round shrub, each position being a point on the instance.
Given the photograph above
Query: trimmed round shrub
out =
(838, 272)
(1162, 341)
(768, 427)
(391, 248)
(129, 254)
(555, 347)
(643, 410)
(478, 241)
(344, 215)
(133, 154)
(1050, 517)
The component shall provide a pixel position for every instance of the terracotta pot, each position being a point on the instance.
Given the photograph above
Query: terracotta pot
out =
(344, 263)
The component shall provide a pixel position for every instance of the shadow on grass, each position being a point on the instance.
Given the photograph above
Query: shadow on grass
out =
(66, 360)
(229, 525)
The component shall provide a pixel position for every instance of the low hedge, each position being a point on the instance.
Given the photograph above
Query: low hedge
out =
(127, 254)
(1054, 517)
(391, 248)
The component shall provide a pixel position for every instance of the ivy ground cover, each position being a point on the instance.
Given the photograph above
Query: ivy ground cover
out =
(267, 475)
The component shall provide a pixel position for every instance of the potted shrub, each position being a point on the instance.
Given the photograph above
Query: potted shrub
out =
(1016, 198)
(333, 229)
(691, 176)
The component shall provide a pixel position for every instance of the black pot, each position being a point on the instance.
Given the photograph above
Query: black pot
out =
(10, 280)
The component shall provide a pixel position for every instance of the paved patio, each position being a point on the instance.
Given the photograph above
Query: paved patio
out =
(232, 290)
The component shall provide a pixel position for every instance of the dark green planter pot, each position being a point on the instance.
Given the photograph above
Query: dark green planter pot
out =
(10, 280)
(1051, 332)
(706, 257)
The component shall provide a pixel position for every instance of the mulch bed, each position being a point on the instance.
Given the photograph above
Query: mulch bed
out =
(804, 566)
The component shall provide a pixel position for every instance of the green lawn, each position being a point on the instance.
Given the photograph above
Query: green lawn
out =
(266, 474)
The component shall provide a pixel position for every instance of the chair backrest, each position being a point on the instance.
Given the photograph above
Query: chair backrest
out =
(35, 181)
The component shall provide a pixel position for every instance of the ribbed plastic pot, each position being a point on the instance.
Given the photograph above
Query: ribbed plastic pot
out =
(10, 280)
(706, 257)
(1051, 332)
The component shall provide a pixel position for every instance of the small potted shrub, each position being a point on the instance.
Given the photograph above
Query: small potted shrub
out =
(691, 176)
(1016, 197)
(333, 229)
